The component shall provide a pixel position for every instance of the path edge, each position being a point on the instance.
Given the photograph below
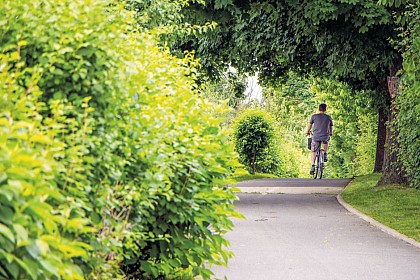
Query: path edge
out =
(377, 224)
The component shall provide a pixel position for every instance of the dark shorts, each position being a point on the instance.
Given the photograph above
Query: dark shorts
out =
(315, 145)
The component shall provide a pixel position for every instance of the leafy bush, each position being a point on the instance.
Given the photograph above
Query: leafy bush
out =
(408, 102)
(40, 228)
(254, 135)
(103, 174)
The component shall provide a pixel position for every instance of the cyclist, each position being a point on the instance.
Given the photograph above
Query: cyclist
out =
(322, 131)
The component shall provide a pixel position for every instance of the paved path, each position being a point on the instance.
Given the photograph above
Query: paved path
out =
(275, 185)
(311, 236)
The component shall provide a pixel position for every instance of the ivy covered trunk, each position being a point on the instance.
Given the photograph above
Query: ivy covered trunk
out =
(392, 168)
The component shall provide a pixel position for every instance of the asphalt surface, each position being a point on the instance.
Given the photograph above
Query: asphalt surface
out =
(311, 236)
(295, 186)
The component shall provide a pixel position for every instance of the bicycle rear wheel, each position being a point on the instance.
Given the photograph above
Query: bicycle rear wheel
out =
(319, 165)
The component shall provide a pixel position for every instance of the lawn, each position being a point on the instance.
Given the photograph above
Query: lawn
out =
(395, 206)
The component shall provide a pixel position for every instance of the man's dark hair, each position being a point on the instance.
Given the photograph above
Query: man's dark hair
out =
(323, 107)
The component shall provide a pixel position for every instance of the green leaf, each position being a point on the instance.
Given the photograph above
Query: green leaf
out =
(5, 231)
(6, 193)
(26, 268)
(53, 270)
(21, 235)
(33, 250)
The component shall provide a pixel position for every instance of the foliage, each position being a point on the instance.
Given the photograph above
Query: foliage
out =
(165, 17)
(254, 137)
(353, 144)
(41, 228)
(103, 175)
(408, 102)
(395, 206)
(395, 3)
(231, 87)
(347, 38)
(291, 103)
(354, 140)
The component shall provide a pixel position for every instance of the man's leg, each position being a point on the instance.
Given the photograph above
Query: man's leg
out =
(313, 155)
(314, 147)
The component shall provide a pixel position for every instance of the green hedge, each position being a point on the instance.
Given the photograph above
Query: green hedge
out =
(110, 165)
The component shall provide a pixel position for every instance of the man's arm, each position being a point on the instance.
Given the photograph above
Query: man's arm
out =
(308, 129)
(331, 126)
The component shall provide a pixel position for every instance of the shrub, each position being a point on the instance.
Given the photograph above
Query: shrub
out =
(254, 137)
(103, 173)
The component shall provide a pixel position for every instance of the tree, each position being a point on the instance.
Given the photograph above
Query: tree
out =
(347, 39)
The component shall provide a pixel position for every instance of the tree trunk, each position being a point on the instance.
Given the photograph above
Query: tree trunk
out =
(380, 140)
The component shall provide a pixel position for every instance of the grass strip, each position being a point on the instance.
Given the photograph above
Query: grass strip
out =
(245, 177)
(395, 206)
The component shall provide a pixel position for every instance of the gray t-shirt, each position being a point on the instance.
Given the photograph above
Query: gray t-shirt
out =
(321, 127)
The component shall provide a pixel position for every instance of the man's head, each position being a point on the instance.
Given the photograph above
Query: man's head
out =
(322, 107)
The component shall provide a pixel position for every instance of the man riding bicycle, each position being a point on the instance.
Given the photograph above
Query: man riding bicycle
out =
(322, 131)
